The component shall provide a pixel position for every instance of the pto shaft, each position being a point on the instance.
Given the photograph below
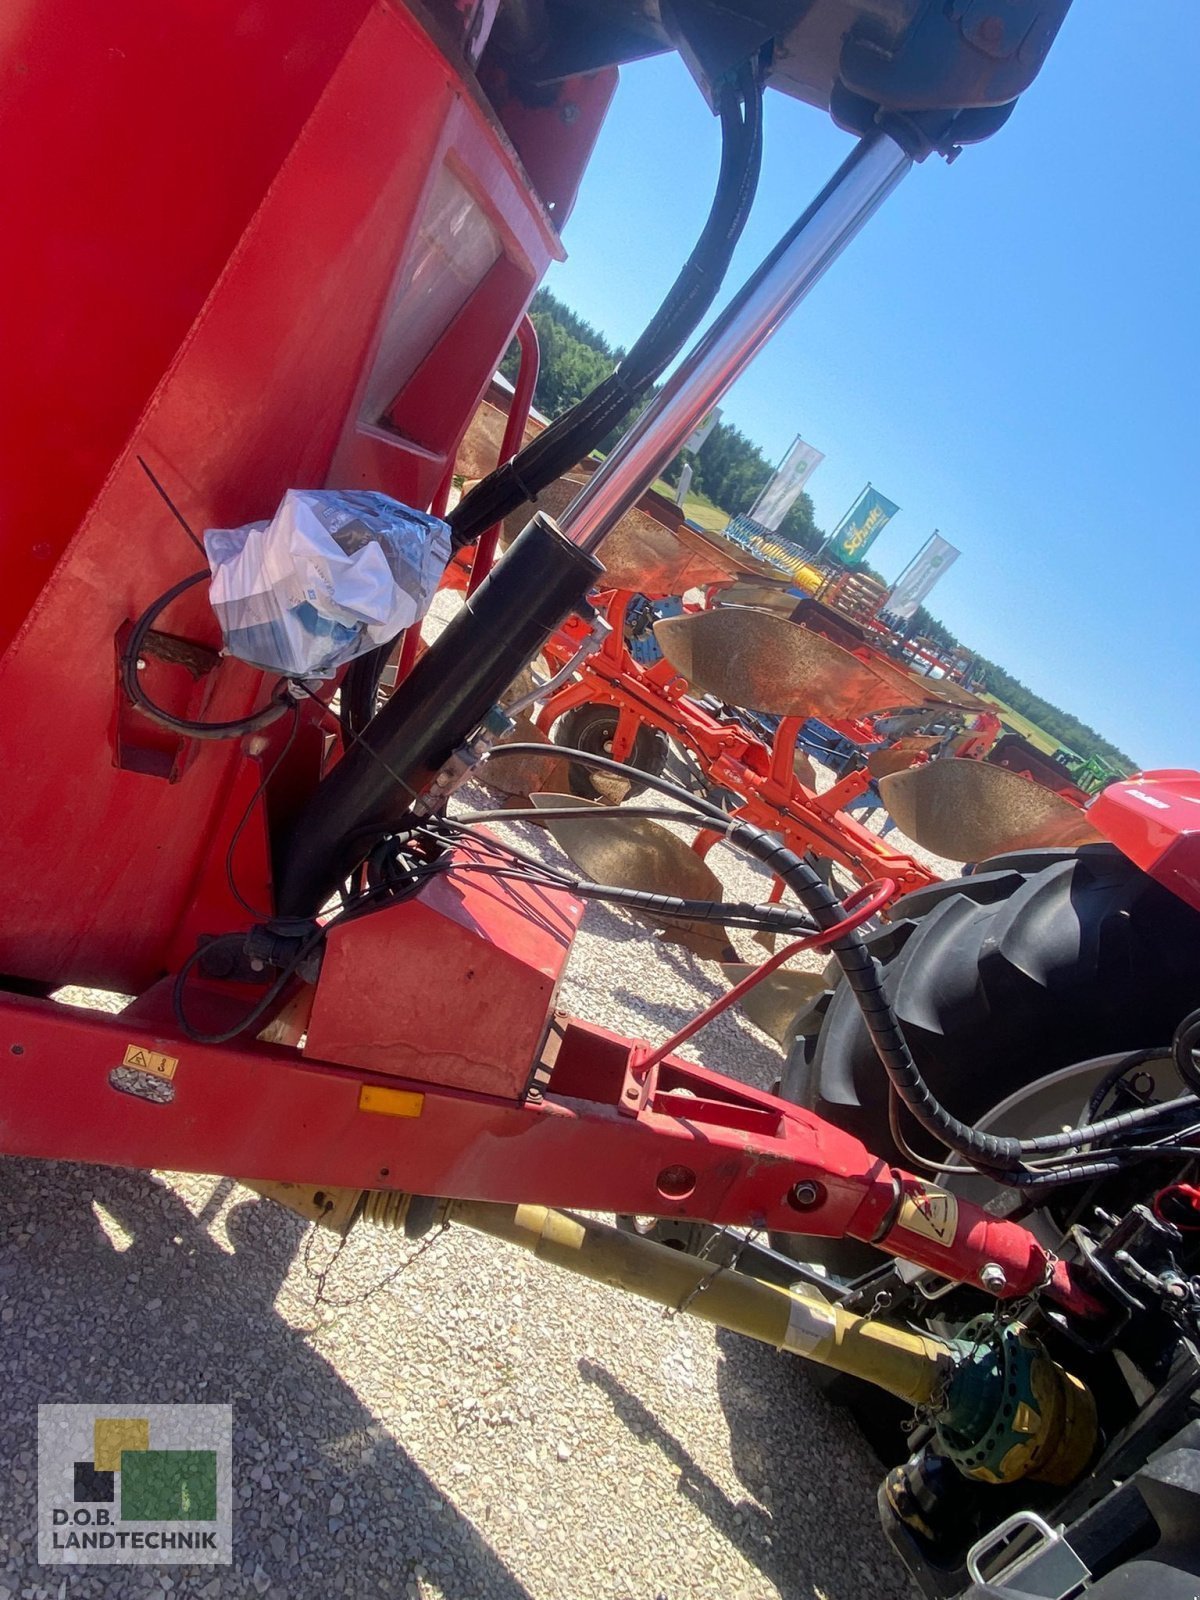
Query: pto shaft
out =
(911, 1365)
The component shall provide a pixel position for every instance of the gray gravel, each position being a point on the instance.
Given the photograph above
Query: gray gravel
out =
(474, 1425)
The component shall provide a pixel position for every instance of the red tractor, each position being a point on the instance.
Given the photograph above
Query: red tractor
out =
(986, 1134)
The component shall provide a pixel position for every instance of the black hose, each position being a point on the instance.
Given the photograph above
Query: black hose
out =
(665, 907)
(578, 431)
(998, 1157)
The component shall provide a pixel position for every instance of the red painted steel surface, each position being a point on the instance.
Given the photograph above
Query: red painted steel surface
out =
(455, 986)
(194, 264)
(141, 143)
(694, 1145)
(1154, 819)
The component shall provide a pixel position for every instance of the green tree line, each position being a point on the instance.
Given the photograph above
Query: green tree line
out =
(731, 471)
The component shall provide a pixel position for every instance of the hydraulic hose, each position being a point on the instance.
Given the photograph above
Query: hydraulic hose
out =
(579, 430)
(999, 1157)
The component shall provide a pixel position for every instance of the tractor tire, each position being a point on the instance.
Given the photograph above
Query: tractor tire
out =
(1037, 960)
(591, 728)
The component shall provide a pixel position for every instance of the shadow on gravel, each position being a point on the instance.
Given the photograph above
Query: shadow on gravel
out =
(810, 1527)
(325, 1502)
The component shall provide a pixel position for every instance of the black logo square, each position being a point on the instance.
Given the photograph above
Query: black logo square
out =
(91, 1486)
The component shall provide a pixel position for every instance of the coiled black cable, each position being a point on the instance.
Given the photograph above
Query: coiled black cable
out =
(130, 656)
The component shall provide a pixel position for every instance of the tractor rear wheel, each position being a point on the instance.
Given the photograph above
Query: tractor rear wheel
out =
(1037, 960)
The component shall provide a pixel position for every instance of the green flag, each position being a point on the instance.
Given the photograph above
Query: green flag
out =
(861, 525)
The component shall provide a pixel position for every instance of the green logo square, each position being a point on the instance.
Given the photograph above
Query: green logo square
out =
(168, 1485)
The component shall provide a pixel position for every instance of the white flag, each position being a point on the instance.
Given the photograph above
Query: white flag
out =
(695, 440)
(783, 490)
(934, 558)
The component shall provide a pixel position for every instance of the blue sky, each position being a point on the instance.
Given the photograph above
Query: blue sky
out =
(1011, 351)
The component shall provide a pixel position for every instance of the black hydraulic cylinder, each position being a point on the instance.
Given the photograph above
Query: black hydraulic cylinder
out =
(445, 697)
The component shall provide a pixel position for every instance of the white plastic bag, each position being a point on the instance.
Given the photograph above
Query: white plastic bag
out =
(332, 575)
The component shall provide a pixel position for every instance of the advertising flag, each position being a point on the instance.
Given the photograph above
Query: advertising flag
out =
(705, 427)
(860, 527)
(783, 489)
(934, 558)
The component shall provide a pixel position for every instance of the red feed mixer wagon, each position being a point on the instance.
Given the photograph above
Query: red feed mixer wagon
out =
(342, 987)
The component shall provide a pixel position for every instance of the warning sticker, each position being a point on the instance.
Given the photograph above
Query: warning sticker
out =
(929, 1213)
(142, 1060)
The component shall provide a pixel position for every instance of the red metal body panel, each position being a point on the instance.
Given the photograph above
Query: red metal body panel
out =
(194, 267)
(1154, 819)
(146, 142)
(455, 986)
(690, 1144)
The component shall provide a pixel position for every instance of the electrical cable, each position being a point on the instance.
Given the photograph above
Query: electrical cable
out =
(906, 1150)
(172, 507)
(267, 1000)
(732, 913)
(132, 653)
(257, 1011)
(737, 914)
(582, 813)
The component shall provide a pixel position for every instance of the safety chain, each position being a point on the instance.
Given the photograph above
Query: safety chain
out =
(320, 1276)
(1018, 1310)
(671, 1312)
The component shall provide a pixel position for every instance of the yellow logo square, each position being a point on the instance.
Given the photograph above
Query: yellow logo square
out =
(114, 1434)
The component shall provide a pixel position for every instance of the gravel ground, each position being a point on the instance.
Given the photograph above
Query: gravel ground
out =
(471, 1424)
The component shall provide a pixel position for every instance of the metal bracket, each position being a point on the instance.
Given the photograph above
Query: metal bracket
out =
(1046, 1569)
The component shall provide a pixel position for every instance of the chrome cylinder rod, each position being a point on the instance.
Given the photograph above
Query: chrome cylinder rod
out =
(860, 185)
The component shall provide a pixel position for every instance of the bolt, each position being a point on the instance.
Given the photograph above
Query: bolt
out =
(17, 1049)
(992, 1277)
(569, 112)
(804, 1196)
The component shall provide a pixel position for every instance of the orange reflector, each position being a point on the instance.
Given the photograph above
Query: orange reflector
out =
(390, 1102)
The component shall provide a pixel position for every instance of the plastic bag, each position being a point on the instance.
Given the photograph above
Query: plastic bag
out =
(332, 575)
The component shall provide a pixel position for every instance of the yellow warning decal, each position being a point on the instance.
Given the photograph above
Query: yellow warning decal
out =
(390, 1102)
(930, 1213)
(142, 1060)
